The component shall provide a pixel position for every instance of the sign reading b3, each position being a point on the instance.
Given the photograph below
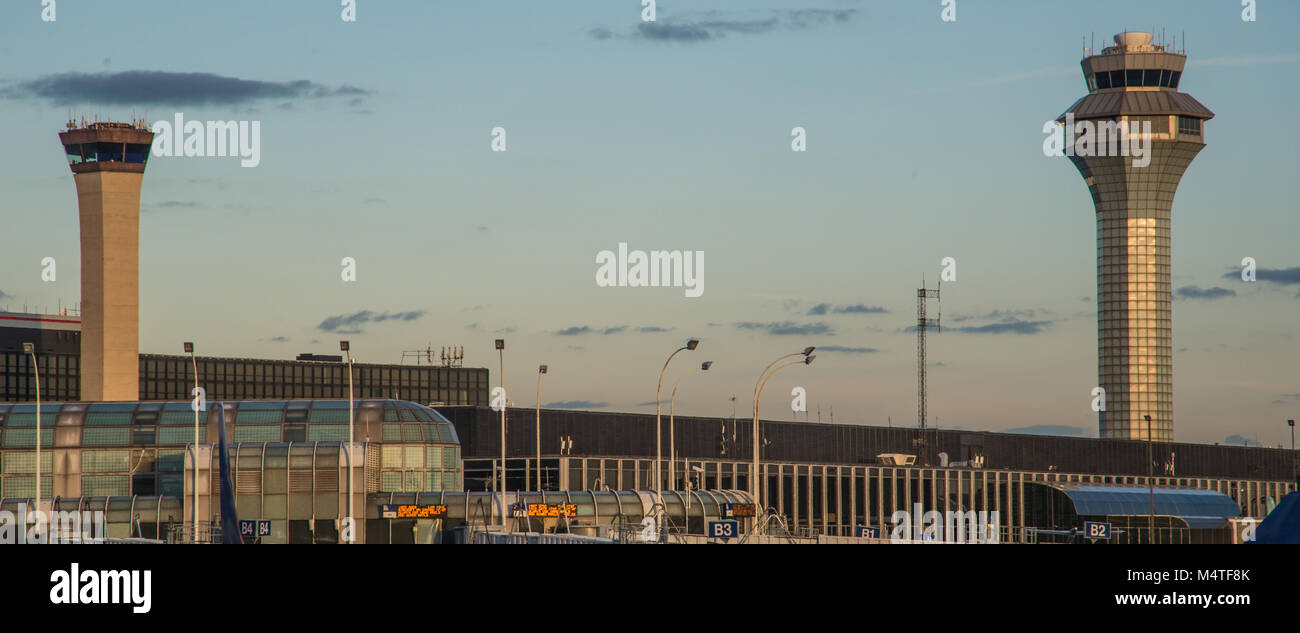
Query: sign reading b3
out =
(724, 529)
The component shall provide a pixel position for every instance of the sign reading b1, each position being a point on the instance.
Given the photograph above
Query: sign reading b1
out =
(867, 532)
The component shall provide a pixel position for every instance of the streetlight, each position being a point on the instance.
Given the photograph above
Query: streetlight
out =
(30, 350)
(541, 369)
(194, 531)
(501, 357)
(1151, 521)
(758, 390)
(346, 347)
(672, 438)
(1291, 423)
(691, 344)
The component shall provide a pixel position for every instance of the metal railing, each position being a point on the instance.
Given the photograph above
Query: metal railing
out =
(184, 533)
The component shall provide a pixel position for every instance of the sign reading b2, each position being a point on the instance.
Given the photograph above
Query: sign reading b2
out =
(1096, 529)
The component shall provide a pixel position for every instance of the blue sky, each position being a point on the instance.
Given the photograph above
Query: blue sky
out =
(924, 142)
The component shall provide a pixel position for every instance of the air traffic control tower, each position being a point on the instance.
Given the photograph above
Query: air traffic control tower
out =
(1135, 82)
(108, 161)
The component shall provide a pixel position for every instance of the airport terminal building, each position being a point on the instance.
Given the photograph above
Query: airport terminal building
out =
(424, 475)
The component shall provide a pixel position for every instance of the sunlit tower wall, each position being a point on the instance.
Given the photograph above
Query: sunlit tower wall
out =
(108, 161)
(1136, 81)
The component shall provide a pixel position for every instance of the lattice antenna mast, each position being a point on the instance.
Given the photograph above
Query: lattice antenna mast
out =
(922, 324)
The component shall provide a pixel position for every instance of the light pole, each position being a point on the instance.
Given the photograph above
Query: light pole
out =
(672, 438)
(346, 348)
(194, 531)
(1151, 486)
(1291, 423)
(758, 388)
(541, 369)
(30, 350)
(501, 358)
(691, 344)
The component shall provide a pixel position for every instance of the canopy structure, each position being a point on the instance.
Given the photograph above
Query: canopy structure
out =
(1282, 525)
(1200, 509)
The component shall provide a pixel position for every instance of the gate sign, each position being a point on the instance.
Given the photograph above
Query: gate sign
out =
(1096, 529)
(724, 529)
(868, 532)
(254, 528)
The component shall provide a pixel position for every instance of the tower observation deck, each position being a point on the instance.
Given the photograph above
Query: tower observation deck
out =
(1133, 90)
(107, 162)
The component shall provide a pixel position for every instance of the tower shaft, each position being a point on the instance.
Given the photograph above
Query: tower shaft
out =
(107, 162)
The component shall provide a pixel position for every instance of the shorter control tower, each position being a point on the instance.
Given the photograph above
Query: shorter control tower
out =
(108, 161)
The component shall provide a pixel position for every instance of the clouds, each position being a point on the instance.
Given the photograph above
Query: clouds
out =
(348, 324)
(578, 330)
(1196, 292)
(692, 28)
(560, 404)
(154, 87)
(1279, 276)
(857, 309)
(568, 331)
(786, 328)
(826, 308)
(1003, 315)
(841, 348)
(1013, 326)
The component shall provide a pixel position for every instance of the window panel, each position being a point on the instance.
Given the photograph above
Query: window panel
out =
(105, 461)
(181, 435)
(24, 462)
(257, 434)
(327, 433)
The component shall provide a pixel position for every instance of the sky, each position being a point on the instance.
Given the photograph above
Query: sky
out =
(923, 142)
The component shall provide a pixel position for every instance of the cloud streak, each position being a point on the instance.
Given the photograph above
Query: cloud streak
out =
(714, 25)
(786, 328)
(1280, 276)
(1196, 292)
(349, 323)
(156, 87)
(1014, 326)
(841, 348)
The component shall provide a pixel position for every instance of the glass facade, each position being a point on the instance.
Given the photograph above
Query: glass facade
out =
(287, 457)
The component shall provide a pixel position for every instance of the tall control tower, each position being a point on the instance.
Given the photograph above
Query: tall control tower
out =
(1135, 83)
(107, 161)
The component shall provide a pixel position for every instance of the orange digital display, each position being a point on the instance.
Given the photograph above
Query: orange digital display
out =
(420, 512)
(546, 510)
(743, 509)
